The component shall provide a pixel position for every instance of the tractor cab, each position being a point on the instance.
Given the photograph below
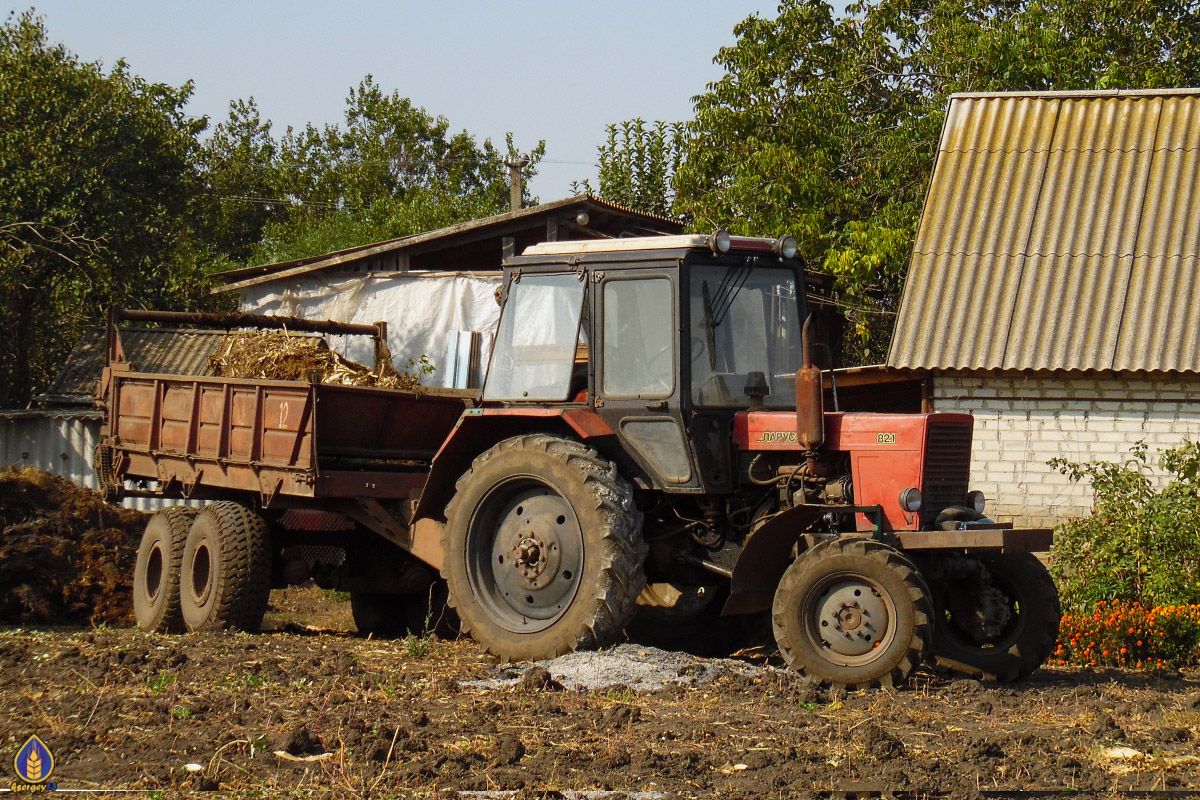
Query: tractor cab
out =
(664, 338)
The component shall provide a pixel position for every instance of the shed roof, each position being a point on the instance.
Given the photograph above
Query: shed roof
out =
(469, 245)
(1061, 231)
(163, 351)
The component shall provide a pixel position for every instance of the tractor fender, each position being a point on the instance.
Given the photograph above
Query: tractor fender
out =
(480, 428)
(764, 558)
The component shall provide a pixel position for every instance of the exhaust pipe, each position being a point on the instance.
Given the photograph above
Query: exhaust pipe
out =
(810, 411)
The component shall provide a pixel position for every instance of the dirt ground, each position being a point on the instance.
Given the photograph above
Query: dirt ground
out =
(309, 707)
(66, 556)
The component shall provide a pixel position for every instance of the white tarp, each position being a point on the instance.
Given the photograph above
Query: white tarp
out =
(423, 311)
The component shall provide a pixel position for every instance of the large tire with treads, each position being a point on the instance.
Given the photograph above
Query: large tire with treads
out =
(853, 612)
(1023, 603)
(226, 572)
(543, 549)
(156, 570)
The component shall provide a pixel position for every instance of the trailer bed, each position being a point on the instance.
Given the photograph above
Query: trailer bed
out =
(197, 436)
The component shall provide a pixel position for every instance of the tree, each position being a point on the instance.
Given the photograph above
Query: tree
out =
(638, 165)
(392, 170)
(824, 125)
(96, 177)
(241, 170)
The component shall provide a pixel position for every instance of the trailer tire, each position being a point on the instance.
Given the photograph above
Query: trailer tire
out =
(544, 553)
(429, 613)
(1028, 636)
(226, 571)
(384, 616)
(875, 592)
(156, 570)
(701, 632)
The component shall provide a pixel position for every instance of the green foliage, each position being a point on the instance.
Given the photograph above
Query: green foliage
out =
(825, 124)
(638, 165)
(96, 180)
(392, 170)
(244, 181)
(1140, 544)
(109, 197)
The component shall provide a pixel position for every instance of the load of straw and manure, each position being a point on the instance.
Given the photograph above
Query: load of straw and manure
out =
(66, 556)
(284, 356)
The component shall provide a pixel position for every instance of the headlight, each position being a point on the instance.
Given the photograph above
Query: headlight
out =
(977, 501)
(910, 499)
(718, 241)
(786, 247)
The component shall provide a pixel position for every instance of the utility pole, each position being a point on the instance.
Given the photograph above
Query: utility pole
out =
(515, 165)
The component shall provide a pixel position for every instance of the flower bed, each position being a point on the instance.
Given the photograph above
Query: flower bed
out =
(1131, 635)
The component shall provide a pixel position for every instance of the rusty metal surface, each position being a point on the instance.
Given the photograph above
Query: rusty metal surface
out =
(231, 320)
(1026, 540)
(1061, 232)
(276, 438)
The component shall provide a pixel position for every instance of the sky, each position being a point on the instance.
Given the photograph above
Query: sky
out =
(557, 71)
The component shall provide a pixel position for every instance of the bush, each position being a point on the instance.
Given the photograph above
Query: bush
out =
(1141, 546)
(1130, 635)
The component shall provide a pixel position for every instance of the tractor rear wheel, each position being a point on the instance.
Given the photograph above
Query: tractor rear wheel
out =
(226, 571)
(1002, 629)
(853, 612)
(544, 552)
(156, 571)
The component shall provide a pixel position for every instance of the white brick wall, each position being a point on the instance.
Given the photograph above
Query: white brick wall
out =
(1021, 423)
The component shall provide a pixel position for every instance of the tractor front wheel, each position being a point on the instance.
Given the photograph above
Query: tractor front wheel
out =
(544, 552)
(853, 612)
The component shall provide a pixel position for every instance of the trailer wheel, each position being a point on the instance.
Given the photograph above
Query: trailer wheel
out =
(544, 552)
(429, 612)
(699, 628)
(226, 575)
(1002, 630)
(156, 571)
(853, 612)
(383, 616)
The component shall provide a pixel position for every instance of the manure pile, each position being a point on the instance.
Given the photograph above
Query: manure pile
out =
(66, 556)
(283, 356)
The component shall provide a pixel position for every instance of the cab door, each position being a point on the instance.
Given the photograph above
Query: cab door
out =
(637, 372)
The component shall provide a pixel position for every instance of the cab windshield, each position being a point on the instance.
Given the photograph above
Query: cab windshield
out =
(743, 319)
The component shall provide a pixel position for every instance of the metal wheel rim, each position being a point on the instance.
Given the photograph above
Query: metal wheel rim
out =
(863, 636)
(201, 574)
(524, 554)
(1007, 637)
(153, 572)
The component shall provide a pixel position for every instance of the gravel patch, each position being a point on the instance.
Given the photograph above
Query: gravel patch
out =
(641, 668)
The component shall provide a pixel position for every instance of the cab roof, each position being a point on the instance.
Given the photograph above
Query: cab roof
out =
(679, 242)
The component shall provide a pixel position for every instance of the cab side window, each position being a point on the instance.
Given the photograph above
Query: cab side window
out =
(638, 338)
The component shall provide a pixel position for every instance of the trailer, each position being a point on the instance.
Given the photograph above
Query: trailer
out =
(320, 463)
(650, 449)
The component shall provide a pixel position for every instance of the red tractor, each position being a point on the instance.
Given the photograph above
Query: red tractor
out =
(650, 443)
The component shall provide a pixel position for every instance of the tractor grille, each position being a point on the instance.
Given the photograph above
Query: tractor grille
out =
(947, 467)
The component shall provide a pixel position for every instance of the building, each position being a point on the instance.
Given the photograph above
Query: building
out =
(1054, 289)
(437, 290)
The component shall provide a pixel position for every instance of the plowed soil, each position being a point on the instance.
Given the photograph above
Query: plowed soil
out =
(311, 707)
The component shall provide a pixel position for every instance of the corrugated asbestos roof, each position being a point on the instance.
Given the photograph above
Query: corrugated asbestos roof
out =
(1061, 232)
(163, 351)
